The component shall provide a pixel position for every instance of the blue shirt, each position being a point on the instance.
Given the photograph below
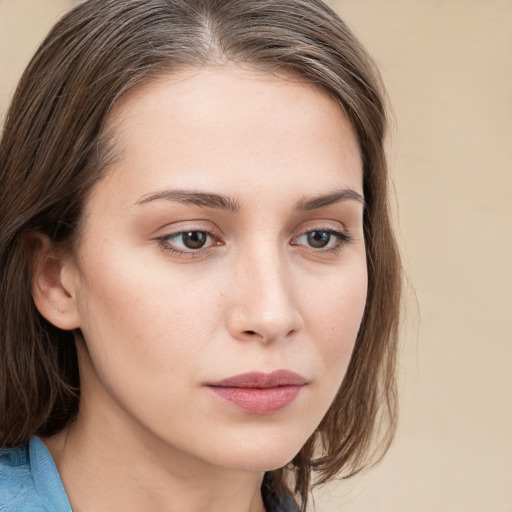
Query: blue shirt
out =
(30, 482)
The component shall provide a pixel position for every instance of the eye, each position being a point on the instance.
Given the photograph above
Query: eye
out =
(187, 241)
(323, 239)
(194, 239)
(318, 239)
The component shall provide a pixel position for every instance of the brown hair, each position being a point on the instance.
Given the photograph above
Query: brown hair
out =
(52, 152)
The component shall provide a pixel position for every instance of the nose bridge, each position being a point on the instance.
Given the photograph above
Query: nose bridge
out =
(265, 307)
(267, 276)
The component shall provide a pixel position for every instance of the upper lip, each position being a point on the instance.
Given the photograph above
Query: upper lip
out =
(261, 380)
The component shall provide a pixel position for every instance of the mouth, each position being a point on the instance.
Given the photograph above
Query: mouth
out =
(260, 393)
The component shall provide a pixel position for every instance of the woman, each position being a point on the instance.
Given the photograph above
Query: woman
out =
(200, 284)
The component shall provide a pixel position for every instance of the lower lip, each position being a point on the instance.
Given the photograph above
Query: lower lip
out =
(259, 400)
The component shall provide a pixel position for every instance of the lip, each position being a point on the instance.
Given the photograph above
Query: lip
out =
(259, 392)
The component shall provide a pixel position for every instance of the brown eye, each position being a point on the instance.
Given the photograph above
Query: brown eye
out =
(187, 241)
(318, 239)
(323, 240)
(194, 239)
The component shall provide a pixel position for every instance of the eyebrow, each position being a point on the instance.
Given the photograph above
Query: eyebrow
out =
(222, 202)
(203, 199)
(313, 203)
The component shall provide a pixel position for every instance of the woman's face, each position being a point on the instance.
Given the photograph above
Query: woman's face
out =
(221, 278)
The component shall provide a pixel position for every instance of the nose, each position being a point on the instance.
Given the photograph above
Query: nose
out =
(264, 306)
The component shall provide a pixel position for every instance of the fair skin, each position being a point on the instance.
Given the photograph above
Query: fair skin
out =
(272, 277)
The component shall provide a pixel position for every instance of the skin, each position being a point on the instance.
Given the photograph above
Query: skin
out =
(158, 325)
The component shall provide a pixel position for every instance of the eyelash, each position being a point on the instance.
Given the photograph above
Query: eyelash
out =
(342, 238)
(192, 253)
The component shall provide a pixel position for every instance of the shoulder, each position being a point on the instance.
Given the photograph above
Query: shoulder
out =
(17, 490)
(29, 480)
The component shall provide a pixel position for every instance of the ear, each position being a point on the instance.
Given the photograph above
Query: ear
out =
(54, 284)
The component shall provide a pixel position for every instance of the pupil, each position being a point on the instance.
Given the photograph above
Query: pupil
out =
(318, 239)
(194, 239)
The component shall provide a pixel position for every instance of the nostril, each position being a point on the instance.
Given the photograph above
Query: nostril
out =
(251, 332)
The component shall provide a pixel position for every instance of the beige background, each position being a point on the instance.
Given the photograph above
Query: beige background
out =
(448, 67)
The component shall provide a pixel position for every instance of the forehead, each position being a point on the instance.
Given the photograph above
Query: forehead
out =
(197, 126)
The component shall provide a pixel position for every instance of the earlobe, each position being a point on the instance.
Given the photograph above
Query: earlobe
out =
(53, 291)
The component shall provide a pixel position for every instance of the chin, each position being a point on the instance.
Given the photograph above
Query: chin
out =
(257, 461)
(259, 452)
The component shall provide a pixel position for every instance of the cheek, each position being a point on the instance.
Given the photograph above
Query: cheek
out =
(144, 344)
(144, 322)
(334, 316)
